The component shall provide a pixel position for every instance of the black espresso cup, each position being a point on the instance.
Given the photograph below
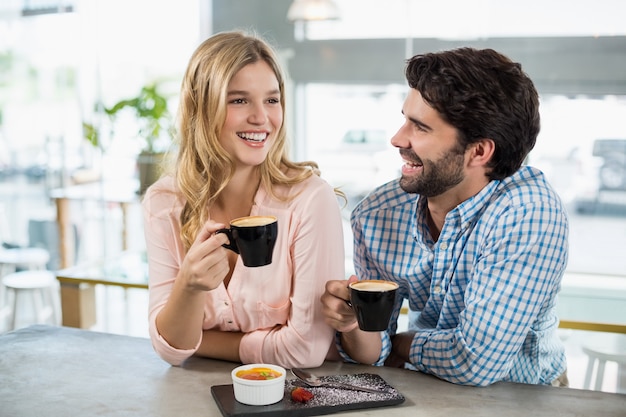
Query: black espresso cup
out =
(373, 301)
(253, 238)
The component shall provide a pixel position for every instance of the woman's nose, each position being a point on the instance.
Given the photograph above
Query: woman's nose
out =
(257, 115)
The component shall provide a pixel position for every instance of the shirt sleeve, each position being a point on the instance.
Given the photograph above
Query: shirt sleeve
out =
(365, 269)
(317, 255)
(516, 278)
(164, 254)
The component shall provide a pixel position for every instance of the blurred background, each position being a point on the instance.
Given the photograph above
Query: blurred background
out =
(63, 62)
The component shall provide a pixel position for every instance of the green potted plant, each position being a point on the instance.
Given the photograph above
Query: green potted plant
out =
(155, 130)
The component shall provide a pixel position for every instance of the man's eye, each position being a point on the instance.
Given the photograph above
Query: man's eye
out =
(420, 127)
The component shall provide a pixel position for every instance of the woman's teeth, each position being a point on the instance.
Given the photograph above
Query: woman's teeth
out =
(253, 137)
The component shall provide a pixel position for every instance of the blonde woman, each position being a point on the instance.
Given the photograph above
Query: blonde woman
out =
(232, 162)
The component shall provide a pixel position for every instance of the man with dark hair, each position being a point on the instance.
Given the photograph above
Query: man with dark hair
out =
(477, 243)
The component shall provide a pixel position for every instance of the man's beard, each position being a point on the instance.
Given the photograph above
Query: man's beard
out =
(437, 176)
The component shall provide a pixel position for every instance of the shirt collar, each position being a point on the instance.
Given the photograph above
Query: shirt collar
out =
(463, 215)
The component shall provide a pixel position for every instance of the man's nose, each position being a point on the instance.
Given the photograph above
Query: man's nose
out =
(401, 138)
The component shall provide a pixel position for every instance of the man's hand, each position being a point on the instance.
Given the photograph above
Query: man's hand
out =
(336, 305)
(400, 349)
(363, 347)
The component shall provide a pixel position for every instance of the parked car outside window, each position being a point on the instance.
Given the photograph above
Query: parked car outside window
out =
(612, 171)
(601, 184)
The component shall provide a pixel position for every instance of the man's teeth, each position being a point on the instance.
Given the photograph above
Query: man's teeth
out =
(255, 137)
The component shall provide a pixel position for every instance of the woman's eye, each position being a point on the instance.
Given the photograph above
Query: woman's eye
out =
(238, 101)
(273, 101)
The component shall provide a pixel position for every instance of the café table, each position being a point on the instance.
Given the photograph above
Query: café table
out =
(122, 192)
(587, 301)
(78, 300)
(61, 371)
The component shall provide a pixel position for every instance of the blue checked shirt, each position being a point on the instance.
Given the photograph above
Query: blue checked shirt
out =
(483, 296)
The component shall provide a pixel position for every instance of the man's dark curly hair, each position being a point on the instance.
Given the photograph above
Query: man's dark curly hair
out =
(483, 94)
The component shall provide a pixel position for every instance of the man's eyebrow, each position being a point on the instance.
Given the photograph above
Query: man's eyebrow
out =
(419, 124)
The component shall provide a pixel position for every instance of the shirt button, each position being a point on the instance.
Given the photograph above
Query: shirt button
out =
(444, 246)
(437, 289)
(431, 257)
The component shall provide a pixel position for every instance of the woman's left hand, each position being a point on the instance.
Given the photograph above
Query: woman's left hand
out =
(206, 264)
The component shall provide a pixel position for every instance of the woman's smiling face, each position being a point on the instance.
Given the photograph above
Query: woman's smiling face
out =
(254, 114)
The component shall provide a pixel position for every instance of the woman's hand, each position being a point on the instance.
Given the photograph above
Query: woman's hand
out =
(206, 264)
(203, 269)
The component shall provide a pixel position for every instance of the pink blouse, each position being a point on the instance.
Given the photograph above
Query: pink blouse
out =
(277, 306)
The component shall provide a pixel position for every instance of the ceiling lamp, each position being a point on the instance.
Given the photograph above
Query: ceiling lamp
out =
(307, 10)
(41, 7)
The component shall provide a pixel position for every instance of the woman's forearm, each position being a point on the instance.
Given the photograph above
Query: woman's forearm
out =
(223, 345)
(180, 320)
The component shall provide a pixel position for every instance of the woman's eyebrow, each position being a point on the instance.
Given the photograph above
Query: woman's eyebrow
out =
(244, 92)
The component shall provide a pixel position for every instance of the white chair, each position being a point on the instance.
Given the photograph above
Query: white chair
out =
(12, 260)
(13, 256)
(23, 258)
(40, 288)
(603, 348)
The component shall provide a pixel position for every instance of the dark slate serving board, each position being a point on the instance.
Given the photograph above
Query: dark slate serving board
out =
(326, 401)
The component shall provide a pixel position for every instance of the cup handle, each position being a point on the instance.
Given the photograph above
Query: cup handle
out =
(231, 244)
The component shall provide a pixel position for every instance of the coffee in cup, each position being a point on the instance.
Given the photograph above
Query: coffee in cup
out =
(373, 301)
(252, 237)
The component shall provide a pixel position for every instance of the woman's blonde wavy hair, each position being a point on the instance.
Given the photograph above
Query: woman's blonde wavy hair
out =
(203, 167)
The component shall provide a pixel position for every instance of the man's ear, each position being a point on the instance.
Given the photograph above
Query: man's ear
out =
(481, 152)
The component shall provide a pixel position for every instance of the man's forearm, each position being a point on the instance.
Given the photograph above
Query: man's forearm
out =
(363, 347)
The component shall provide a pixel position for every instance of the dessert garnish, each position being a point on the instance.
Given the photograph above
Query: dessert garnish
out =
(301, 395)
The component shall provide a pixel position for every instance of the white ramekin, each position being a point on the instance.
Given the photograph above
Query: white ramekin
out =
(259, 392)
